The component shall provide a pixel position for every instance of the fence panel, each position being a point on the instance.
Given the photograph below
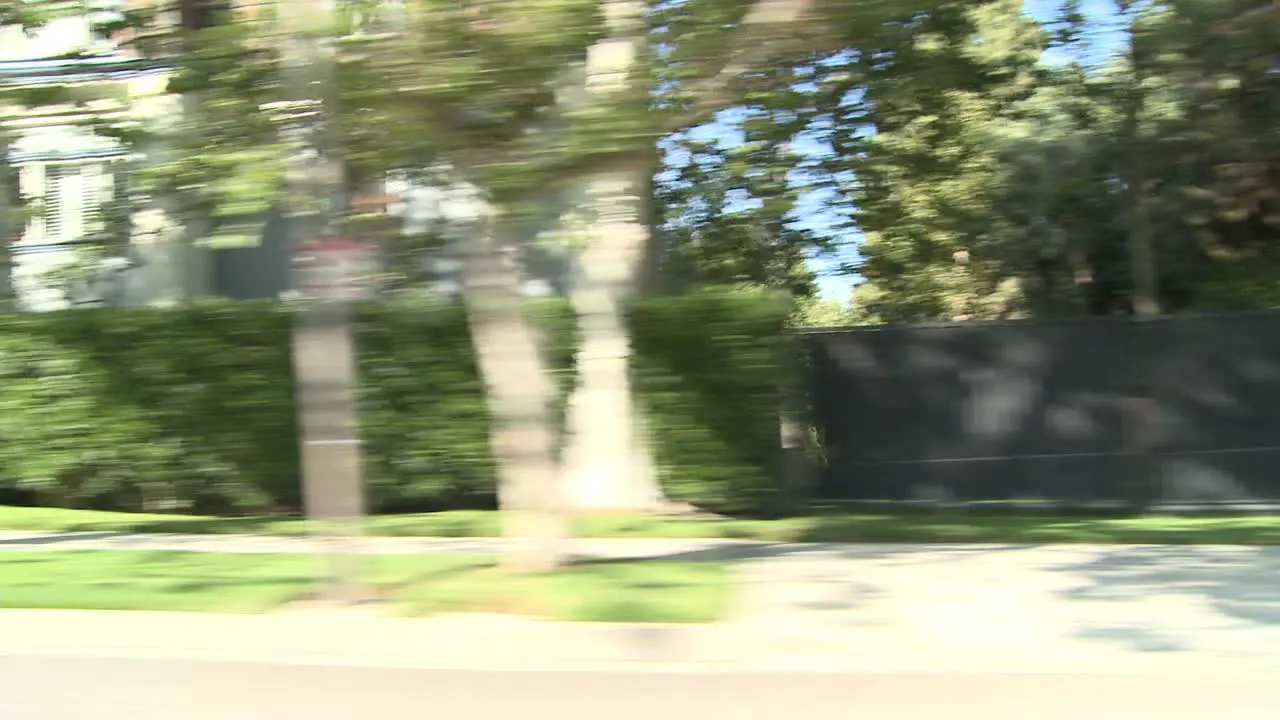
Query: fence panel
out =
(1033, 411)
(1219, 392)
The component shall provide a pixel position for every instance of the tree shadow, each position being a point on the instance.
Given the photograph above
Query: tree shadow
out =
(1170, 596)
(1214, 601)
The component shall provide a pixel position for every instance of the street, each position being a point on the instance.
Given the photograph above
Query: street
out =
(36, 688)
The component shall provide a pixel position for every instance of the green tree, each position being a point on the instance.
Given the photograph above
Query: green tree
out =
(938, 91)
(546, 108)
(819, 312)
(1139, 185)
(727, 219)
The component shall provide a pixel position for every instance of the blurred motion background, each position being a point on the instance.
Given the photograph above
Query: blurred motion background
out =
(627, 255)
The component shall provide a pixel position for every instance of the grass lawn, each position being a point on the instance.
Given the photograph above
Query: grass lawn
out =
(852, 527)
(614, 591)
(140, 580)
(589, 591)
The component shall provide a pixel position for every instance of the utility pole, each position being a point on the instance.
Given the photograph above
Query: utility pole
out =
(323, 349)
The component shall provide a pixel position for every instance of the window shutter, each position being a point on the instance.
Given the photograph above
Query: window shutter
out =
(74, 198)
(54, 212)
(31, 185)
(91, 199)
(111, 201)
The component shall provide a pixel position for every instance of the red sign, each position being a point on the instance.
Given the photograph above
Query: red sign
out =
(335, 268)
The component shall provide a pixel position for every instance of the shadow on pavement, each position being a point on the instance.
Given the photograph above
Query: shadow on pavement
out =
(1183, 592)
(1213, 601)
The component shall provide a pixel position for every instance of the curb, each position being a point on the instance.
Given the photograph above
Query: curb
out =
(354, 638)
(499, 643)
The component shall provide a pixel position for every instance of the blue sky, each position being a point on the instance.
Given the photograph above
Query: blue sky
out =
(1105, 36)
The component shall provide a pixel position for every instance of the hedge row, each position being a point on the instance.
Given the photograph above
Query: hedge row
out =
(191, 409)
(709, 369)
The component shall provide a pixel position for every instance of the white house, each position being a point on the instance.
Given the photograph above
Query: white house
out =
(69, 175)
(65, 173)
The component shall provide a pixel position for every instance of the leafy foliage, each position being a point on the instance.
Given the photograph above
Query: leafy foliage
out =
(192, 408)
(135, 409)
(988, 165)
(710, 369)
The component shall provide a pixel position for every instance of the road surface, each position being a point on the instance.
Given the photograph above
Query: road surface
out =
(34, 688)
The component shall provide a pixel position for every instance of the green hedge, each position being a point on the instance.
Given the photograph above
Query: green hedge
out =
(423, 416)
(192, 409)
(164, 410)
(710, 369)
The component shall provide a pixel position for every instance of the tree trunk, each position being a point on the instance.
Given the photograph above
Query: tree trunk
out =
(608, 456)
(520, 395)
(1144, 280)
(1141, 409)
(324, 361)
(8, 225)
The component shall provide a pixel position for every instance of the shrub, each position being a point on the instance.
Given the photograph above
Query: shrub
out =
(192, 408)
(710, 369)
(188, 408)
(424, 421)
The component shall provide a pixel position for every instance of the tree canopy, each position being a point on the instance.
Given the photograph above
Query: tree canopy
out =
(975, 161)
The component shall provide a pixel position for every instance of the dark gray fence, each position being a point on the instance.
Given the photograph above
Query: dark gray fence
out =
(1052, 412)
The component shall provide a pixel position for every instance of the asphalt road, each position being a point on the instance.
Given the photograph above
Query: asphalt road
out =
(105, 689)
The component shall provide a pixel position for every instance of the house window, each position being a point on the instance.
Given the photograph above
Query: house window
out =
(73, 196)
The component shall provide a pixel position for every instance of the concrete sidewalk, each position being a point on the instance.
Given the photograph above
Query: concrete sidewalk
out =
(1017, 606)
(363, 638)
(810, 608)
(114, 689)
(509, 644)
(806, 607)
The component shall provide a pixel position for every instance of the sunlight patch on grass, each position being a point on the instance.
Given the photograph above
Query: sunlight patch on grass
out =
(599, 591)
(589, 591)
(142, 580)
